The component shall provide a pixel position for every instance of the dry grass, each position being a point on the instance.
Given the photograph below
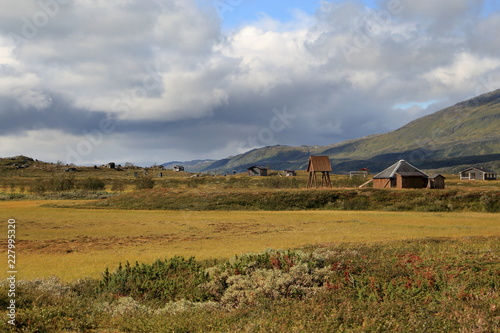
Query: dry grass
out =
(73, 243)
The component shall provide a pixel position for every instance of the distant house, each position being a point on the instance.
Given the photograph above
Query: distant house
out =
(257, 171)
(178, 168)
(404, 175)
(478, 173)
(290, 173)
(111, 165)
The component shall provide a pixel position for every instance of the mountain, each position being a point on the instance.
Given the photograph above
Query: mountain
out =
(467, 133)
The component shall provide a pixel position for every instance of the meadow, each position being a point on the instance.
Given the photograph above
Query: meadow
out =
(103, 251)
(73, 242)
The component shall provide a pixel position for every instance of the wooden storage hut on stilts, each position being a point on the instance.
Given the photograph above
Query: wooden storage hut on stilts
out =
(319, 164)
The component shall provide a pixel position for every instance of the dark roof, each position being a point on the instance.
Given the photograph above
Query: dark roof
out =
(257, 167)
(319, 164)
(410, 174)
(479, 168)
(436, 176)
(402, 168)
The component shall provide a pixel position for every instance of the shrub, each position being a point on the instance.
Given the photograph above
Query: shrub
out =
(435, 284)
(118, 185)
(37, 188)
(60, 184)
(92, 184)
(490, 202)
(162, 281)
(145, 183)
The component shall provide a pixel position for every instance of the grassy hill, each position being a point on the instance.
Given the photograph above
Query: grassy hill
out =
(190, 166)
(464, 134)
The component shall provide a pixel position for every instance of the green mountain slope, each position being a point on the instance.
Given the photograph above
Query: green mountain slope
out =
(464, 134)
(465, 129)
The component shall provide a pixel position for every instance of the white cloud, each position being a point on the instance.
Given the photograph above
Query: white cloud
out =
(463, 72)
(165, 66)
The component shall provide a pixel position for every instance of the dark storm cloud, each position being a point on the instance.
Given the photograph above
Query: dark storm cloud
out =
(61, 115)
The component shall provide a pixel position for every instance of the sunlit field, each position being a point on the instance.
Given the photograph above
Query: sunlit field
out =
(73, 243)
(106, 251)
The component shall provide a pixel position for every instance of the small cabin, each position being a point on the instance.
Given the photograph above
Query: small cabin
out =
(111, 165)
(436, 182)
(257, 171)
(478, 173)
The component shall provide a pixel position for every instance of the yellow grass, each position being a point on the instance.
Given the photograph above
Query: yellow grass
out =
(74, 243)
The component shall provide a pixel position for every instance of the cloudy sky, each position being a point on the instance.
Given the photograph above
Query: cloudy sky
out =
(152, 81)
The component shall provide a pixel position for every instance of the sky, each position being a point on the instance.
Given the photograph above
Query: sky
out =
(152, 81)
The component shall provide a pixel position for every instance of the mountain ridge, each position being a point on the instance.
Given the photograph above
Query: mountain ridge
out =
(462, 134)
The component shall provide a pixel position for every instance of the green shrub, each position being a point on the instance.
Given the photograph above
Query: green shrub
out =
(162, 281)
(118, 185)
(436, 285)
(490, 202)
(92, 184)
(144, 183)
(38, 188)
(60, 184)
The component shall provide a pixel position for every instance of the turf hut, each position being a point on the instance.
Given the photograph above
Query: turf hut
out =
(401, 175)
(319, 164)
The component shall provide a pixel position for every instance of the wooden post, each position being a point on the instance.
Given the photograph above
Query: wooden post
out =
(325, 179)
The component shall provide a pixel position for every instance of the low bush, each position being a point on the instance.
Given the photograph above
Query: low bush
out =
(92, 184)
(490, 202)
(145, 183)
(162, 281)
(425, 285)
(118, 185)
(289, 199)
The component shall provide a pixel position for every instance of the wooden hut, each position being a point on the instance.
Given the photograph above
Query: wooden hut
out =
(436, 182)
(257, 171)
(319, 164)
(401, 175)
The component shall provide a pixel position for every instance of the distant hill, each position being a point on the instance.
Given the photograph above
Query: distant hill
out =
(190, 166)
(467, 133)
(16, 162)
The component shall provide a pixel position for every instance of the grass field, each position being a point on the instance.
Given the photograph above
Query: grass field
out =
(73, 243)
(351, 260)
